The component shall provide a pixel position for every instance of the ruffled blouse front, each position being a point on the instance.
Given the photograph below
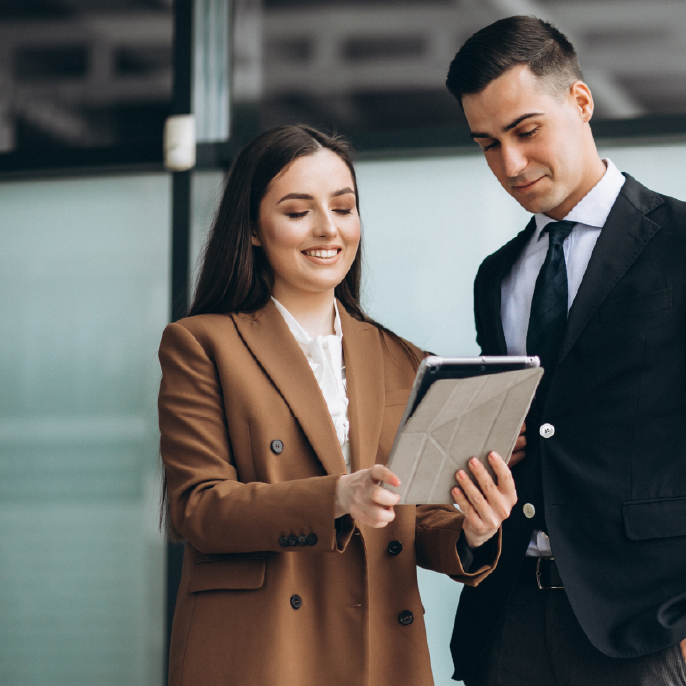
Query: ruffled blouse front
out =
(325, 357)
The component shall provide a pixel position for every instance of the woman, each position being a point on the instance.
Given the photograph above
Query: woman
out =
(277, 400)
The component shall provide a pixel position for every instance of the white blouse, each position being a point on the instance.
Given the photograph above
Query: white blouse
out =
(325, 357)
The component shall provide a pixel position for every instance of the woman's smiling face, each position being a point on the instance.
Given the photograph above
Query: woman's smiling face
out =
(308, 225)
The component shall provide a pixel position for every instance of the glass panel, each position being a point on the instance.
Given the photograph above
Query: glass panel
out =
(84, 275)
(84, 74)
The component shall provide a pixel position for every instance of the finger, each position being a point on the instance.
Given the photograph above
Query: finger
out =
(380, 473)
(377, 517)
(380, 496)
(523, 429)
(461, 499)
(520, 443)
(485, 481)
(474, 495)
(502, 471)
(516, 458)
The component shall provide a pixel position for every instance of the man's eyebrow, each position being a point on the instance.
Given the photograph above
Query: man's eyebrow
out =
(509, 127)
(307, 196)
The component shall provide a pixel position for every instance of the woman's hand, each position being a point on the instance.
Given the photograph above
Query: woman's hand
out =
(361, 495)
(519, 452)
(486, 507)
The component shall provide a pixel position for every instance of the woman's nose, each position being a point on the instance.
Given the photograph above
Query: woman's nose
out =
(325, 225)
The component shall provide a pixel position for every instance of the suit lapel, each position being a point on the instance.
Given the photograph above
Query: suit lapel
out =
(626, 232)
(364, 367)
(507, 256)
(267, 335)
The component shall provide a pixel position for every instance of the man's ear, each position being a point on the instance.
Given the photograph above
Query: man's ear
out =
(583, 98)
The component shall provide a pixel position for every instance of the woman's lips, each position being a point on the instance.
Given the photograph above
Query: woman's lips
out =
(322, 255)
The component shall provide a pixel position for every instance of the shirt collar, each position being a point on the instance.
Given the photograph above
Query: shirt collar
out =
(300, 335)
(594, 208)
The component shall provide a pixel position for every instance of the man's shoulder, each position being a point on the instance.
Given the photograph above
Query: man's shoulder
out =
(652, 204)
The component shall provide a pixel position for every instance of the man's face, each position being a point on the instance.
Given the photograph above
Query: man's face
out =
(536, 143)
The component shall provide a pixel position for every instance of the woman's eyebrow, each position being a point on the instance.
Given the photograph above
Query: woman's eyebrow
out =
(307, 196)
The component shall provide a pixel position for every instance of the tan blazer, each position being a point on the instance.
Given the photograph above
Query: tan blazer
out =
(269, 594)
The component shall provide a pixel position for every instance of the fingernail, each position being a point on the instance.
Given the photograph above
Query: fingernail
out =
(474, 461)
(461, 474)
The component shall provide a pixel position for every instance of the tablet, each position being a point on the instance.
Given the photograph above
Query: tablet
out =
(459, 408)
(434, 368)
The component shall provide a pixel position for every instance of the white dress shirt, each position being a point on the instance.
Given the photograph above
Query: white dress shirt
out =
(325, 357)
(517, 288)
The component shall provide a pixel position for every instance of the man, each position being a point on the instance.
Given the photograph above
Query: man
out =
(591, 585)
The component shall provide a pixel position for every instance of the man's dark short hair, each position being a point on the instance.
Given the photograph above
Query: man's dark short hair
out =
(510, 42)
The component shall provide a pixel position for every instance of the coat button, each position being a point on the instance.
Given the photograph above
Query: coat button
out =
(283, 542)
(394, 547)
(277, 446)
(406, 617)
(547, 431)
(312, 539)
(302, 539)
(293, 540)
(296, 602)
(529, 510)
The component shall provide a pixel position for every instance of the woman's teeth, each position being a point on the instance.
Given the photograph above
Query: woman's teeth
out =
(321, 253)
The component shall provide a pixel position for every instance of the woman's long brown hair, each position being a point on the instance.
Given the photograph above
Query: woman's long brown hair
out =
(235, 275)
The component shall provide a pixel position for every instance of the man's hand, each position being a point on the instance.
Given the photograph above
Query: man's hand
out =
(519, 452)
(485, 507)
(361, 495)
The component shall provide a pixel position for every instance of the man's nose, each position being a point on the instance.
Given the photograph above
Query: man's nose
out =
(514, 160)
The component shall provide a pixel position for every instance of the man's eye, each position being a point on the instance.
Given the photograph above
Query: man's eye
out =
(528, 134)
(490, 146)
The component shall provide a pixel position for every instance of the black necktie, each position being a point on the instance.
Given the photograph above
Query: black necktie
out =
(549, 305)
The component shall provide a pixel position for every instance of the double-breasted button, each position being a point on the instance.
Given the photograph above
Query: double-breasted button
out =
(547, 430)
(406, 617)
(529, 510)
(302, 539)
(296, 602)
(293, 540)
(283, 542)
(312, 539)
(277, 446)
(394, 547)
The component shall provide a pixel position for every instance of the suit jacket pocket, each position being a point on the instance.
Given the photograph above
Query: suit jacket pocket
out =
(635, 305)
(659, 518)
(242, 571)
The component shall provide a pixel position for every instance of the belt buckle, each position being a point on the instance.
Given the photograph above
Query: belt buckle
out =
(538, 575)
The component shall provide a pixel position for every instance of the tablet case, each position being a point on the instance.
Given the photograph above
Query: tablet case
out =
(458, 419)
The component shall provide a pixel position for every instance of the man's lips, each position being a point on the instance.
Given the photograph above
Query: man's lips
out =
(524, 187)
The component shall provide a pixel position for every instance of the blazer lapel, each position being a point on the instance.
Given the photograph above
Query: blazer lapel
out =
(270, 340)
(365, 385)
(626, 232)
(507, 256)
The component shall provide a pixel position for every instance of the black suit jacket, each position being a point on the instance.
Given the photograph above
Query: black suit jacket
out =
(612, 479)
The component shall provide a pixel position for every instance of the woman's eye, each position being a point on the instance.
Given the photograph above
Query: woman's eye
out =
(344, 210)
(296, 215)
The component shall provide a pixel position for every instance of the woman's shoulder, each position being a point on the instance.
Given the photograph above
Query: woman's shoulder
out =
(202, 329)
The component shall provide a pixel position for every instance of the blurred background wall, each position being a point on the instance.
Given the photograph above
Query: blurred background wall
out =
(97, 238)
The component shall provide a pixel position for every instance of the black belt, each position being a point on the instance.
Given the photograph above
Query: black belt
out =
(541, 569)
